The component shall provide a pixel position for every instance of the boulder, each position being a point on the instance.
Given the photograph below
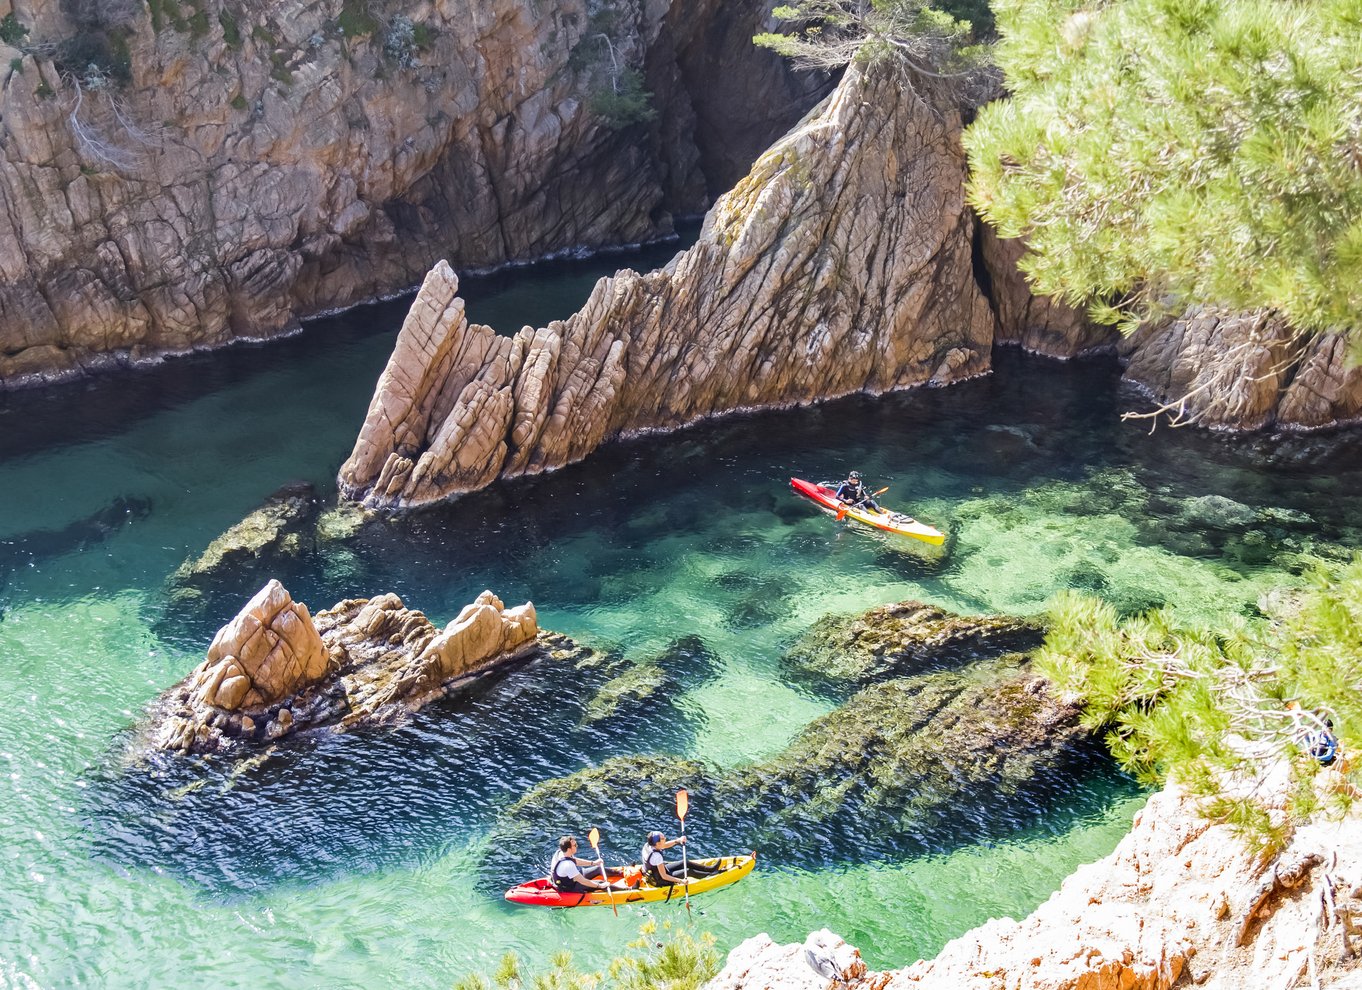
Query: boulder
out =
(274, 670)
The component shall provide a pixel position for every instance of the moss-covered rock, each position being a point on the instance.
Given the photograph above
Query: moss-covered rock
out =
(906, 765)
(283, 527)
(847, 652)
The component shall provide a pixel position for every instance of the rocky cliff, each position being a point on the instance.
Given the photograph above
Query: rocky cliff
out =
(1245, 371)
(184, 173)
(840, 263)
(1225, 370)
(1180, 902)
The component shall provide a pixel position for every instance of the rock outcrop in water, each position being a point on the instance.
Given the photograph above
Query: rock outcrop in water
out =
(274, 670)
(840, 264)
(179, 175)
(1181, 902)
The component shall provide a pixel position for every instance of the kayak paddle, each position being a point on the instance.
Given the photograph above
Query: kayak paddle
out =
(682, 806)
(595, 837)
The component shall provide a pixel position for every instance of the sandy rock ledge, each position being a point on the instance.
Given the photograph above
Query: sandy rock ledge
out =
(1179, 903)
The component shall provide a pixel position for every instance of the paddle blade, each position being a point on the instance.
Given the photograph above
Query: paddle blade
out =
(682, 804)
(594, 837)
(841, 513)
(880, 492)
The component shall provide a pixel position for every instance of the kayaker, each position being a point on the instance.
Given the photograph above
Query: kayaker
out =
(566, 873)
(853, 493)
(663, 874)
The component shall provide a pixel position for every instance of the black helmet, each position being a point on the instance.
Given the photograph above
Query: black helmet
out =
(854, 476)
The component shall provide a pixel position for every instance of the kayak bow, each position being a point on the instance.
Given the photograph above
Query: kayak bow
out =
(541, 892)
(890, 522)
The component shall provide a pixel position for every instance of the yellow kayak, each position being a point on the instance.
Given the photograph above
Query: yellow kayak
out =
(541, 892)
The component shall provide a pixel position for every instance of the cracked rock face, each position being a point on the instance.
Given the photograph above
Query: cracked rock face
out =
(273, 670)
(841, 263)
(218, 176)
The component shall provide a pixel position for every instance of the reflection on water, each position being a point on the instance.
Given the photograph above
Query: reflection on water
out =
(356, 858)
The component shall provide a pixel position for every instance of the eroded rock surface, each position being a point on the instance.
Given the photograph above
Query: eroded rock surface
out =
(274, 670)
(840, 263)
(1038, 324)
(1180, 902)
(1244, 371)
(176, 177)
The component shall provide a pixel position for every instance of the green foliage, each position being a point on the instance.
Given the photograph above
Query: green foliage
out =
(1211, 707)
(935, 36)
(356, 21)
(674, 960)
(1159, 153)
(231, 30)
(16, 65)
(239, 102)
(628, 102)
(12, 32)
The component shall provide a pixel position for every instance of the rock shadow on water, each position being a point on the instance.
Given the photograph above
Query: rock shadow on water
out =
(908, 766)
(316, 806)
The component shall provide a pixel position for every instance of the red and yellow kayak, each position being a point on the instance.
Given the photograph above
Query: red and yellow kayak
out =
(890, 522)
(541, 892)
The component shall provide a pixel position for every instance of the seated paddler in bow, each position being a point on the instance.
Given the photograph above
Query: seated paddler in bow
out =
(571, 874)
(660, 873)
(851, 492)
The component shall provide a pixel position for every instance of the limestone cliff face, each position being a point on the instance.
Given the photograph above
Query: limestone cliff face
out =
(840, 263)
(1038, 324)
(179, 175)
(1245, 371)
(1179, 903)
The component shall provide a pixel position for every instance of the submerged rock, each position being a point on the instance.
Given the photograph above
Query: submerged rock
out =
(273, 670)
(841, 263)
(284, 526)
(901, 639)
(921, 762)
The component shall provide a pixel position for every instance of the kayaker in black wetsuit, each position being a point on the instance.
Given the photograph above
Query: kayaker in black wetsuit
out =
(663, 874)
(566, 873)
(853, 493)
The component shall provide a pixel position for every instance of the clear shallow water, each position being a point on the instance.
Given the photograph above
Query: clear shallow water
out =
(363, 860)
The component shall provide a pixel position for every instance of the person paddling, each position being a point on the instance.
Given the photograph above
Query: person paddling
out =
(663, 874)
(566, 873)
(853, 493)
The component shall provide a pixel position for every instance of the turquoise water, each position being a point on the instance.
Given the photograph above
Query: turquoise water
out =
(363, 860)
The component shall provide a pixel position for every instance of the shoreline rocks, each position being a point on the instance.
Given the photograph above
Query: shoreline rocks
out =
(1180, 902)
(176, 183)
(841, 263)
(274, 670)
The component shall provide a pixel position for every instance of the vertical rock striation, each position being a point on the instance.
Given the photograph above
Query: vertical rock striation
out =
(176, 176)
(841, 263)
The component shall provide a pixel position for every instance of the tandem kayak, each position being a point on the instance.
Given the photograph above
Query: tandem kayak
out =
(890, 522)
(541, 892)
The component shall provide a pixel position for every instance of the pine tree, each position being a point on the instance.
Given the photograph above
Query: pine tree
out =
(1160, 153)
